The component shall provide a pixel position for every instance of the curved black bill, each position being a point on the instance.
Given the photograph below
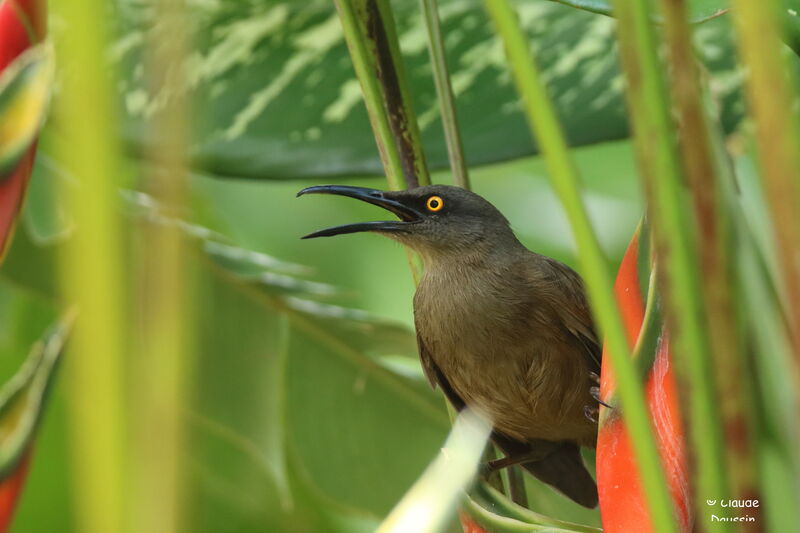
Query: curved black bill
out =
(377, 197)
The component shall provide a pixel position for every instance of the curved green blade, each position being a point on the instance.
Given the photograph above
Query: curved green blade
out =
(22, 398)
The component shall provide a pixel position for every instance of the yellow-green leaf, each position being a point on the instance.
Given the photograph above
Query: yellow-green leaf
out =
(22, 397)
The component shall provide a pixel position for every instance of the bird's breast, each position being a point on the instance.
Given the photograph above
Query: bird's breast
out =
(457, 311)
(479, 333)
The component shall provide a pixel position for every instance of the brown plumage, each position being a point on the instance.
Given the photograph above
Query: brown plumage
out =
(501, 329)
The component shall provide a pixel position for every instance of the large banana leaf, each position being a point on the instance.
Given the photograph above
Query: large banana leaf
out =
(278, 97)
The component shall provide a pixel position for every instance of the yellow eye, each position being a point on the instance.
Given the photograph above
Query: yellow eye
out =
(435, 203)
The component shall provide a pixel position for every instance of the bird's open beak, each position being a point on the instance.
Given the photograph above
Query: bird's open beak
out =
(407, 215)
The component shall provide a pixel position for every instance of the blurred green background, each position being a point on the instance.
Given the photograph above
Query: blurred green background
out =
(362, 441)
(305, 406)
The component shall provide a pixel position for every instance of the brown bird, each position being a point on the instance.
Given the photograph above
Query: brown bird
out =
(501, 329)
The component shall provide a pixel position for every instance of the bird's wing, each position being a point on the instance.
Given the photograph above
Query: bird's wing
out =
(567, 298)
(561, 465)
(435, 375)
(428, 366)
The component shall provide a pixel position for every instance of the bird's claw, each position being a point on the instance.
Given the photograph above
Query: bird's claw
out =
(590, 413)
(595, 392)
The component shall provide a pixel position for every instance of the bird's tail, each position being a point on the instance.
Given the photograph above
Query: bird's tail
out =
(564, 470)
(560, 465)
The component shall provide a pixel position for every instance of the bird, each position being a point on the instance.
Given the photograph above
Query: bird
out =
(500, 329)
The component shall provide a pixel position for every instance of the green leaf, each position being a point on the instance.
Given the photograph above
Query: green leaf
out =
(303, 394)
(791, 25)
(22, 398)
(24, 96)
(276, 96)
(45, 217)
(699, 10)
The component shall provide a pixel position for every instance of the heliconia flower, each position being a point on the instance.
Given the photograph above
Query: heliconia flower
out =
(25, 83)
(469, 525)
(623, 504)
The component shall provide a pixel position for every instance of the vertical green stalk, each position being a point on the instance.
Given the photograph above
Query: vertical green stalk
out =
(444, 91)
(711, 190)
(161, 358)
(649, 107)
(545, 125)
(375, 51)
(92, 268)
(371, 38)
(771, 96)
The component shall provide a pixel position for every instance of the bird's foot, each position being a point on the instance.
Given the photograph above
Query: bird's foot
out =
(595, 392)
(591, 413)
(511, 460)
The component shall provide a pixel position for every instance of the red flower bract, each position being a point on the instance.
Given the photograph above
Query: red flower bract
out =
(15, 37)
(623, 504)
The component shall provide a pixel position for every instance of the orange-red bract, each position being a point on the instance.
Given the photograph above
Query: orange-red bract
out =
(14, 39)
(469, 525)
(623, 504)
(10, 490)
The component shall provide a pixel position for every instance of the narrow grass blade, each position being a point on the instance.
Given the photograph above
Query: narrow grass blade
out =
(444, 91)
(161, 362)
(545, 125)
(772, 96)
(433, 498)
(673, 230)
(712, 187)
(22, 398)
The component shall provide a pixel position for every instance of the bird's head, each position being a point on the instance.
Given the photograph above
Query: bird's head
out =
(436, 220)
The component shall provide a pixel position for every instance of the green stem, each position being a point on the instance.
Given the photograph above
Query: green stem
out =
(371, 38)
(545, 125)
(771, 94)
(660, 167)
(491, 522)
(375, 51)
(93, 269)
(491, 498)
(444, 91)
(711, 188)
(516, 486)
(162, 340)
